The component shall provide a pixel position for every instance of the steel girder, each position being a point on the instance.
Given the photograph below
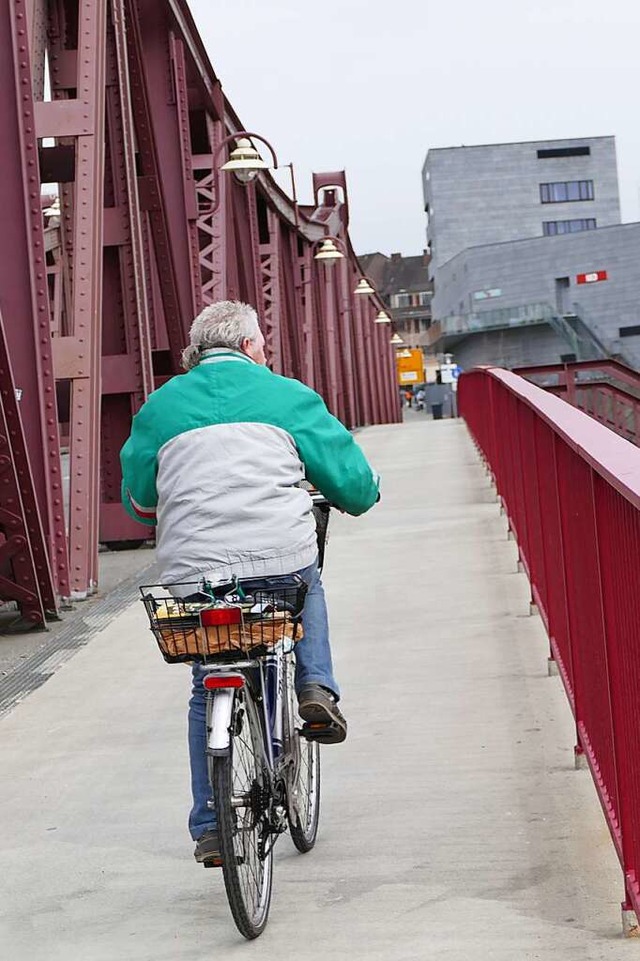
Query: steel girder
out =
(26, 347)
(98, 304)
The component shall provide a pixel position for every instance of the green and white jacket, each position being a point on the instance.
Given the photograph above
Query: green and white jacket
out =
(214, 459)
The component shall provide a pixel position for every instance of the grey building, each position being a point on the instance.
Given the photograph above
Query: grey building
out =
(499, 192)
(543, 299)
(530, 262)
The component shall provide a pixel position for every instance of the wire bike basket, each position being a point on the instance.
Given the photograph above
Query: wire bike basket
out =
(195, 621)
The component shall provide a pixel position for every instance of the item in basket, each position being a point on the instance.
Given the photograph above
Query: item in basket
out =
(195, 630)
(166, 609)
(262, 607)
(269, 627)
(206, 626)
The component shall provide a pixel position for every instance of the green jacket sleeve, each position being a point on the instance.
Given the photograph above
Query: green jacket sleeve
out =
(139, 460)
(334, 462)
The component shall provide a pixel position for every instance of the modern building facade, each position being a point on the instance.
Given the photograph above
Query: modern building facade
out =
(493, 193)
(529, 259)
(551, 298)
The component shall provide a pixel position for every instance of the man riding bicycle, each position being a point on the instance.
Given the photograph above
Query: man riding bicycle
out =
(215, 459)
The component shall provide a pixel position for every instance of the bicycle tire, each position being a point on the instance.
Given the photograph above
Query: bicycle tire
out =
(303, 786)
(245, 846)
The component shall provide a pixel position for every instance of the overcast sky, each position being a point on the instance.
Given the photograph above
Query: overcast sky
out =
(371, 85)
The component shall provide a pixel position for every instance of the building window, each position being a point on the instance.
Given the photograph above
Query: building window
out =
(552, 227)
(566, 191)
(550, 152)
(488, 293)
(631, 331)
(420, 299)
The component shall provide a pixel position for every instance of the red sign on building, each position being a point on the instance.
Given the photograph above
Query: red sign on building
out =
(591, 278)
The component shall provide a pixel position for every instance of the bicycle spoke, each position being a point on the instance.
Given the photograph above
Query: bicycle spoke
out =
(240, 787)
(304, 783)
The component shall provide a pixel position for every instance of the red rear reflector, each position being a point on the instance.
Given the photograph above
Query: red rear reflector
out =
(221, 615)
(213, 682)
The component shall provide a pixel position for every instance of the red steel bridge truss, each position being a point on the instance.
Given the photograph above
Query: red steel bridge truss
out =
(116, 103)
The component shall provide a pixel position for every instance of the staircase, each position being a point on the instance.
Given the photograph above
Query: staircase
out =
(584, 342)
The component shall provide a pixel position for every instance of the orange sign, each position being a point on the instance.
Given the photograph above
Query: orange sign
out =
(410, 367)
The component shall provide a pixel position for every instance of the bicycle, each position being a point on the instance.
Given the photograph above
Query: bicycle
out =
(264, 763)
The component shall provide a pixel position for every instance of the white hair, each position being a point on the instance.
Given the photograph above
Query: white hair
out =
(224, 324)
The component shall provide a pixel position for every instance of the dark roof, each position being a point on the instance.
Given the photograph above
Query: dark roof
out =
(395, 274)
(373, 267)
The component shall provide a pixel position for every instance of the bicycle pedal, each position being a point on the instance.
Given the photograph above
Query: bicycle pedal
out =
(325, 733)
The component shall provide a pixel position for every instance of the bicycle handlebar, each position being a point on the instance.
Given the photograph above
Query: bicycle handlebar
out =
(319, 500)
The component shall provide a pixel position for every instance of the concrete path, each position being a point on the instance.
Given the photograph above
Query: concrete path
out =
(453, 826)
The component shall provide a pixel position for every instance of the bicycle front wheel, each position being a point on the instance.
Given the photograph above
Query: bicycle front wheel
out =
(303, 807)
(242, 795)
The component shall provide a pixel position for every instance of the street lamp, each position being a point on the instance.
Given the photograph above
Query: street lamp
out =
(397, 339)
(328, 252)
(382, 318)
(244, 161)
(364, 287)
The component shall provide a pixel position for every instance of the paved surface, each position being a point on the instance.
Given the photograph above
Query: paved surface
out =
(115, 568)
(453, 826)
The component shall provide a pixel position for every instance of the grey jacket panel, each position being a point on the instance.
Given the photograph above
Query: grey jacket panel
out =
(262, 524)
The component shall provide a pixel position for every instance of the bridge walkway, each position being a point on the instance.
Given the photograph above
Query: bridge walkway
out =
(454, 825)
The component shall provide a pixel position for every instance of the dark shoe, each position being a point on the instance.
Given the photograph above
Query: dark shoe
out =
(207, 850)
(319, 710)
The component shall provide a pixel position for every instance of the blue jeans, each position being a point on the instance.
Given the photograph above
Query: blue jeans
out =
(313, 666)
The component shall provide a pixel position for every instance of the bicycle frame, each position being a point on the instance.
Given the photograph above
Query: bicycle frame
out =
(269, 670)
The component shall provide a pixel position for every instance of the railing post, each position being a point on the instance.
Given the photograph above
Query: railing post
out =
(570, 384)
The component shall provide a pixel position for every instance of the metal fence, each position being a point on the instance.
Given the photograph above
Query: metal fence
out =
(570, 488)
(606, 389)
(497, 318)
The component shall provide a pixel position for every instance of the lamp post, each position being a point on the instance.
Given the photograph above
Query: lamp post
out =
(328, 253)
(374, 361)
(331, 250)
(294, 195)
(386, 368)
(367, 368)
(210, 250)
(383, 366)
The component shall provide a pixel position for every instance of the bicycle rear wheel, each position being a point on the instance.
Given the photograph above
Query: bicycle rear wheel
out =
(242, 794)
(303, 787)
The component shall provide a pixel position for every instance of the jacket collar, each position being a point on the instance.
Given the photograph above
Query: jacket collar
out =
(215, 355)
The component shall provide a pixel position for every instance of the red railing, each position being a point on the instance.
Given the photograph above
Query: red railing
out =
(570, 488)
(605, 389)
